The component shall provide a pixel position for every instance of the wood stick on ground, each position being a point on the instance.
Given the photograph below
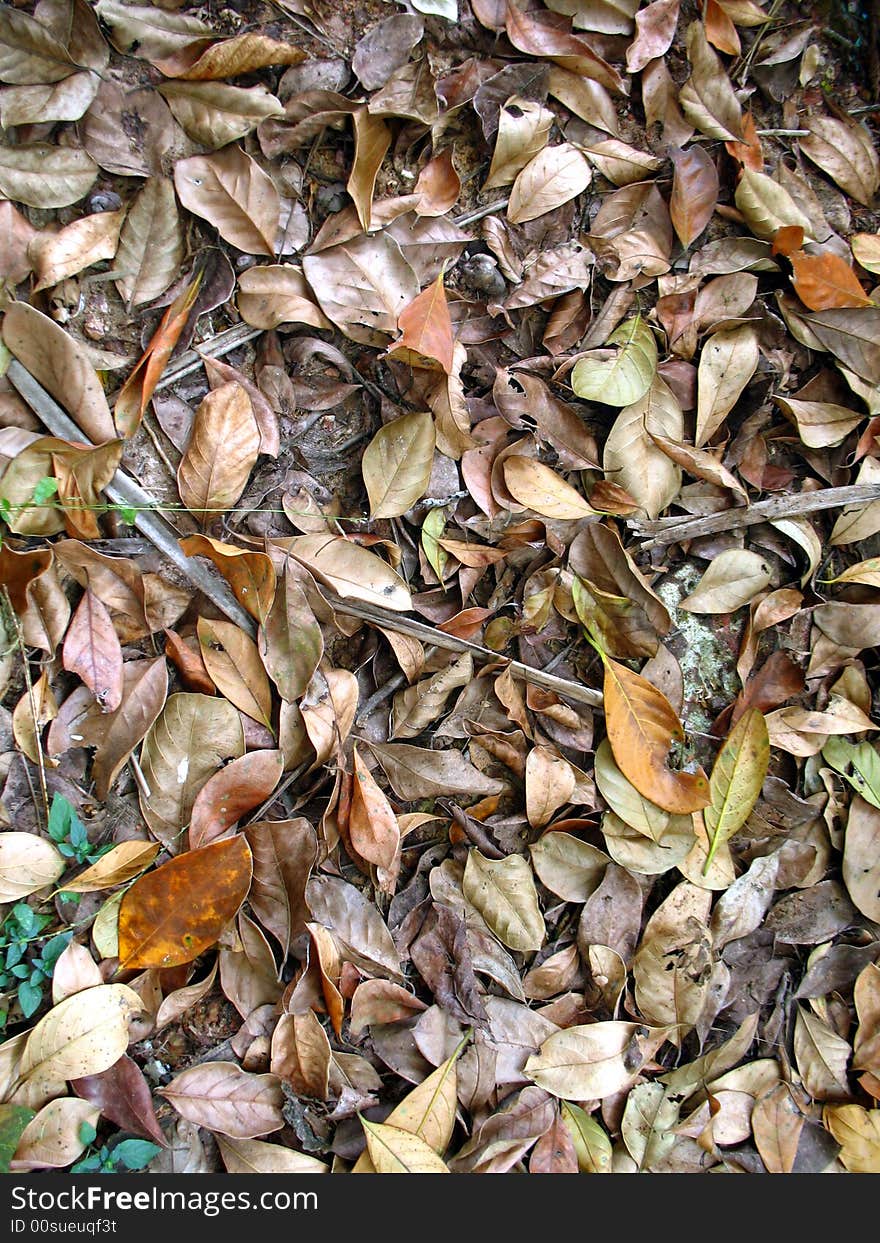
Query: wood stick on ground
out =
(674, 530)
(124, 490)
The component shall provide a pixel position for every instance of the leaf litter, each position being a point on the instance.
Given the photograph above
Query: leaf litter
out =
(445, 743)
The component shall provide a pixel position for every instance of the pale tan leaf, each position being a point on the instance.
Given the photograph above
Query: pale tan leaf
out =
(540, 489)
(553, 177)
(733, 578)
(394, 1151)
(254, 1156)
(223, 448)
(590, 1062)
(52, 1140)
(219, 1096)
(151, 244)
(215, 113)
(397, 464)
(278, 294)
(231, 192)
(351, 571)
(523, 130)
(707, 98)
(728, 361)
(631, 458)
(40, 175)
(362, 286)
(83, 1035)
(27, 863)
(503, 891)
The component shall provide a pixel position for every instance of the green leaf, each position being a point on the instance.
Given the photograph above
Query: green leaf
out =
(87, 1133)
(736, 779)
(44, 490)
(134, 1154)
(618, 377)
(592, 1145)
(432, 530)
(29, 997)
(865, 778)
(13, 1120)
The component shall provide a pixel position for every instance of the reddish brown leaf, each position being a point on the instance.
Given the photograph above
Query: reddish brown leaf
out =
(135, 394)
(231, 793)
(787, 240)
(694, 192)
(124, 1097)
(92, 650)
(823, 282)
(554, 1152)
(187, 658)
(426, 329)
(19, 569)
(720, 30)
(749, 154)
(172, 915)
(439, 186)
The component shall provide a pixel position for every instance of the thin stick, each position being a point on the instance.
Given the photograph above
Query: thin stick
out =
(123, 490)
(430, 634)
(673, 530)
(32, 703)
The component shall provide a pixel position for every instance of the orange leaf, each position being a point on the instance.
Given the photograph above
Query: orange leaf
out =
(19, 569)
(749, 153)
(694, 192)
(720, 30)
(826, 281)
(426, 328)
(375, 833)
(787, 240)
(137, 390)
(439, 186)
(642, 725)
(175, 913)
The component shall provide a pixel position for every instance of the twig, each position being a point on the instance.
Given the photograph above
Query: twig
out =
(32, 703)
(430, 634)
(471, 217)
(673, 530)
(123, 490)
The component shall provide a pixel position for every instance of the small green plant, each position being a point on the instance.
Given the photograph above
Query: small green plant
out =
(25, 973)
(69, 835)
(116, 1157)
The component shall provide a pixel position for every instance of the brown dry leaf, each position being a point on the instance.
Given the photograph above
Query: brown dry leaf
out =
(253, 1156)
(825, 281)
(40, 175)
(207, 60)
(426, 331)
(215, 113)
(420, 704)
(540, 489)
(655, 29)
(630, 457)
(222, 451)
(120, 864)
(233, 662)
(55, 256)
(375, 833)
(438, 185)
(151, 247)
(707, 98)
(92, 651)
(845, 151)
(372, 138)
(219, 1096)
(251, 575)
(173, 914)
(733, 578)
(189, 741)
(857, 1131)
(523, 130)
(278, 294)
(82, 1035)
(543, 35)
(777, 1124)
(231, 192)
(55, 360)
(27, 865)
(728, 361)
(290, 641)
(362, 286)
(135, 394)
(351, 571)
(594, 1061)
(504, 893)
(231, 793)
(553, 177)
(641, 726)
(694, 192)
(861, 871)
(145, 687)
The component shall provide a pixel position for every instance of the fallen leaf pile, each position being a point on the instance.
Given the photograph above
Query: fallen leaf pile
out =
(447, 744)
